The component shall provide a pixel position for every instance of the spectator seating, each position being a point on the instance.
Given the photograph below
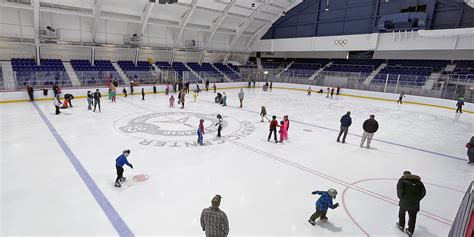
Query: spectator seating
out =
(2, 84)
(464, 70)
(362, 66)
(207, 72)
(100, 73)
(228, 71)
(48, 73)
(139, 73)
(304, 68)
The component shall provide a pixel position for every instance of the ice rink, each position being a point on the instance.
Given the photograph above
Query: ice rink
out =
(57, 172)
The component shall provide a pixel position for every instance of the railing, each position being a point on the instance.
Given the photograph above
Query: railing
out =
(142, 77)
(41, 79)
(461, 222)
(87, 78)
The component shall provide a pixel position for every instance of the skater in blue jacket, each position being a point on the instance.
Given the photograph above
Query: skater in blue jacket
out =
(324, 202)
(119, 163)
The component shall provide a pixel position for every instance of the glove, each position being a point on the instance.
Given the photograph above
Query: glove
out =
(131, 166)
(314, 193)
(336, 205)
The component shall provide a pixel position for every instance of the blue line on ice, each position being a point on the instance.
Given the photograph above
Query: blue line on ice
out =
(114, 218)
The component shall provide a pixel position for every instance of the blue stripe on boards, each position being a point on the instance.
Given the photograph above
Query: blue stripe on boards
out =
(114, 218)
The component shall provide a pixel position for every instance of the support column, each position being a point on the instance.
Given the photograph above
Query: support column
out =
(37, 53)
(93, 56)
(137, 54)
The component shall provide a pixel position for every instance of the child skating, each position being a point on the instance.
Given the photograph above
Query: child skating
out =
(328, 90)
(287, 125)
(200, 132)
(195, 95)
(219, 125)
(282, 131)
(171, 101)
(309, 91)
(263, 114)
(323, 204)
(119, 163)
(273, 129)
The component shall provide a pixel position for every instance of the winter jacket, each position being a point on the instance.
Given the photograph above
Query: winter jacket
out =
(273, 124)
(57, 102)
(346, 121)
(97, 95)
(370, 125)
(121, 161)
(410, 191)
(241, 95)
(263, 112)
(324, 202)
(460, 103)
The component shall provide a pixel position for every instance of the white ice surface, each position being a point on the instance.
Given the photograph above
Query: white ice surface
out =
(266, 187)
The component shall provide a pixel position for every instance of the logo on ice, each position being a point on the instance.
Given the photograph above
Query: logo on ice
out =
(179, 129)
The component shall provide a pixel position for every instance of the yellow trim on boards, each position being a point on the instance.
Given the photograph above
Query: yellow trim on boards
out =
(283, 88)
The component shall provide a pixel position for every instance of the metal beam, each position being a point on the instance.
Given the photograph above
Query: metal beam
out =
(36, 19)
(247, 22)
(185, 19)
(146, 16)
(210, 10)
(96, 11)
(218, 23)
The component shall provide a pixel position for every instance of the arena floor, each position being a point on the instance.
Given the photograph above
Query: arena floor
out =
(58, 171)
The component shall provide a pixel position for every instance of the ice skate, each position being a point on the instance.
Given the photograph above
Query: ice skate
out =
(409, 233)
(121, 180)
(324, 218)
(312, 222)
(399, 226)
(338, 140)
(118, 185)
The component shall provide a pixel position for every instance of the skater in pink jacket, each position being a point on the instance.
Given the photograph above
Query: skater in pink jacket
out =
(287, 125)
(171, 101)
(283, 131)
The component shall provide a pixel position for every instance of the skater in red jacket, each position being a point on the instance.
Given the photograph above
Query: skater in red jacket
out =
(273, 129)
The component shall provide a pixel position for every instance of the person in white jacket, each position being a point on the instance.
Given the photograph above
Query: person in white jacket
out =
(241, 96)
(57, 104)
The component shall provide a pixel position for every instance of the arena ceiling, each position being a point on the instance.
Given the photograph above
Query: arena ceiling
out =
(242, 20)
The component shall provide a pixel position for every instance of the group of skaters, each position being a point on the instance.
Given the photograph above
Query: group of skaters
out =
(214, 221)
(329, 91)
(284, 126)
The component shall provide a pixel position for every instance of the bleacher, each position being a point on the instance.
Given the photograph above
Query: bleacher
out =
(48, 73)
(412, 73)
(228, 71)
(464, 70)
(100, 73)
(361, 66)
(140, 73)
(304, 68)
(206, 71)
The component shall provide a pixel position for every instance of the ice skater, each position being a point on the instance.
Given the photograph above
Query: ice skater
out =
(167, 89)
(143, 93)
(470, 150)
(459, 105)
(113, 90)
(182, 98)
(271, 86)
(370, 126)
(410, 191)
(30, 91)
(214, 87)
(332, 92)
(323, 204)
(195, 95)
(400, 98)
(219, 125)
(338, 90)
(309, 91)
(273, 129)
(327, 92)
(171, 101)
(282, 131)
(346, 122)
(200, 132)
(57, 104)
(263, 114)
(224, 99)
(287, 126)
(90, 100)
(97, 96)
(132, 84)
(124, 91)
(207, 84)
(119, 163)
(241, 96)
